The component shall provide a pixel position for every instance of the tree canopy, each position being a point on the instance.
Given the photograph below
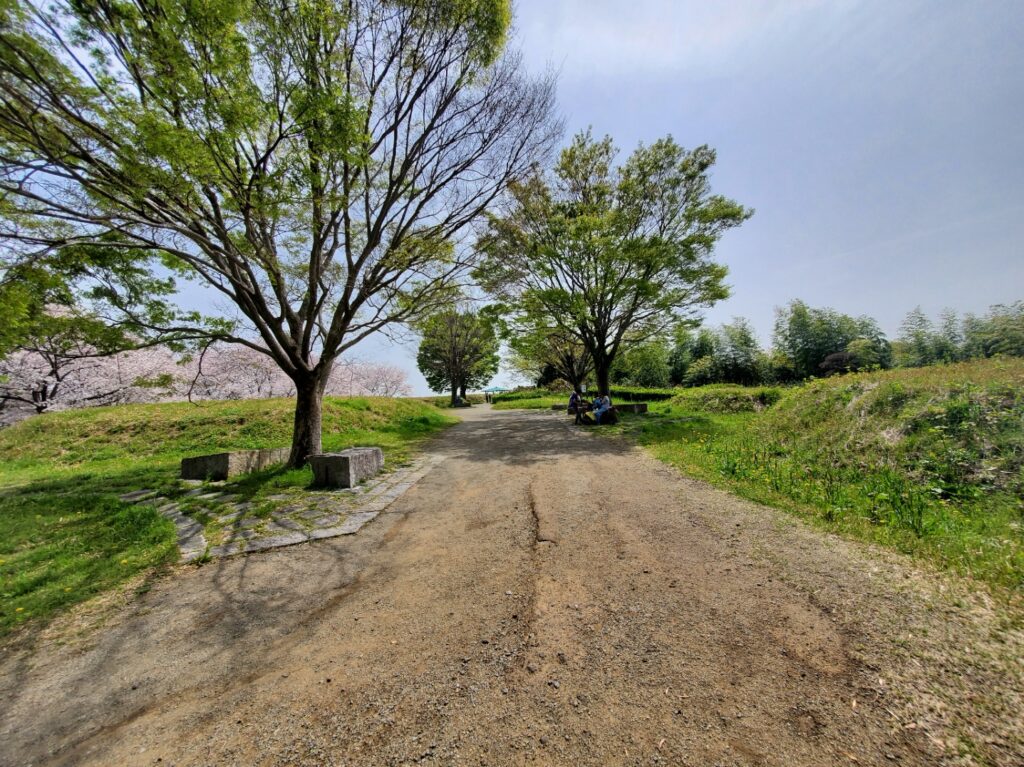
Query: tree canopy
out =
(458, 351)
(545, 353)
(313, 163)
(807, 336)
(605, 252)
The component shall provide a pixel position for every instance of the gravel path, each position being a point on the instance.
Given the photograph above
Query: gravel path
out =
(544, 595)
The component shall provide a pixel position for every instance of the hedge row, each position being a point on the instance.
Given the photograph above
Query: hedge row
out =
(622, 393)
(514, 396)
(642, 394)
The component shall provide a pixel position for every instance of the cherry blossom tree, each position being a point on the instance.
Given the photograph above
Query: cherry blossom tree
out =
(374, 379)
(61, 371)
(49, 375)
(232, 372)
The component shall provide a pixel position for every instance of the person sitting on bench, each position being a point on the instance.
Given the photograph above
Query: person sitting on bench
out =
(601, 406)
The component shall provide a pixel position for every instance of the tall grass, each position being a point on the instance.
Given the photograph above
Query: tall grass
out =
(929, 460)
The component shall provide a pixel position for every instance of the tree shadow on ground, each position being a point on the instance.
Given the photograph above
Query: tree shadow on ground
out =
(233, 614)
(226, 615)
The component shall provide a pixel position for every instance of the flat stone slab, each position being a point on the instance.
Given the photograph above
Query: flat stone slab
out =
(220, 466)
(347, 468)
(336, 513)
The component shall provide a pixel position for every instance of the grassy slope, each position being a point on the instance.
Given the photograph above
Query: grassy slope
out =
(65, 536)
(930, 461)
(543, 402)
(444, 401)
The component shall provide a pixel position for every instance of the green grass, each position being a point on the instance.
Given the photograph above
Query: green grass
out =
(536, 402)
(929, 461)
(642, 393)
(65, 536)
(444, 401)
(727, 398)
(526, 394)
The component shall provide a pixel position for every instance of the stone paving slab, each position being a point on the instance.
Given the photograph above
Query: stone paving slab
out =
(283, 519)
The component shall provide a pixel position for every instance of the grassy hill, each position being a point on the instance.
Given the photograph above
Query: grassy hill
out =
(65, 536)
(928, 460)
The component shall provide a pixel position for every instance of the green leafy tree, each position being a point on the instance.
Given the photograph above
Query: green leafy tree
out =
(546, 353)
(458, 351)
(101, 295)
(645, 364)
(807, 336)
(705, 344)
(680, 356)
(69, 310)
(917, 340)
(608, 253)
(729, 354)
(1001, 331)
(949, 337)
(703, 371)
(863, 354)
(739, 354)
(312, 163)
(922, 342)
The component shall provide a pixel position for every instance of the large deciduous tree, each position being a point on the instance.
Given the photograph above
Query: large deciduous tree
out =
(539, 351)
(459, 351)
(607, 253)
(314, 163)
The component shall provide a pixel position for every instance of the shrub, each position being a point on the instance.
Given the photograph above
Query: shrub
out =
(728, 398)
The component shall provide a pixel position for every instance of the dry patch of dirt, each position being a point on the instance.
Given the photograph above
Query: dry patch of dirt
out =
(541, 597)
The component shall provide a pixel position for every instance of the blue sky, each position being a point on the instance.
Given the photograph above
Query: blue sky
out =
(881, 143)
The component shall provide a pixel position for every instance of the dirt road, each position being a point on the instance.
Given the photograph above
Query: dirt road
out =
(543, 596)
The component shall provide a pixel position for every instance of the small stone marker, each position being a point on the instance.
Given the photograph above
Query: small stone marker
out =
(347, 468)
(220, 466)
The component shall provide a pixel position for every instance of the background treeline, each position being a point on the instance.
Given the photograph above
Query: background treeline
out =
(812, 342)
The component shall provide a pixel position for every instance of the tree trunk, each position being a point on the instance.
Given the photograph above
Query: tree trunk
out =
(455, 392)
(307, 433)
(602, 370)
(462, 391)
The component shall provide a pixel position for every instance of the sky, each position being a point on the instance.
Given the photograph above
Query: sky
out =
(881, 143)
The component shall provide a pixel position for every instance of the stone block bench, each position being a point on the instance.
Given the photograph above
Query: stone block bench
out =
(347, 468)
(220, 466)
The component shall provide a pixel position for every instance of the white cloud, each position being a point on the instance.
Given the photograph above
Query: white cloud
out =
(609, 37)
